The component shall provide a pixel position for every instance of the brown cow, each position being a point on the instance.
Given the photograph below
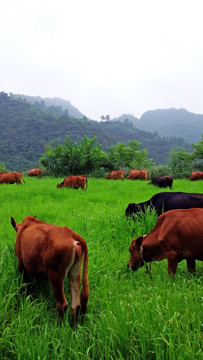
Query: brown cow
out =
(35, 172)
(11, 178)
(196, 175)
(119, 174)
(177, 235)
(54, 251)
(138, 174)
(74, 182)
(21, 175)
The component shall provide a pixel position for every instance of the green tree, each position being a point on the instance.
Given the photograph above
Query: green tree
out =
(198, 155)
(180, 163)
(183, 163)
(2, 167)
(73, 159)
(129, 155)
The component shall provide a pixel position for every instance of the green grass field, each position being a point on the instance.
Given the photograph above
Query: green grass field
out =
(130, 315)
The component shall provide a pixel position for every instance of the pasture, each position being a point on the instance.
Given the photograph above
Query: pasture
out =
(130, 315)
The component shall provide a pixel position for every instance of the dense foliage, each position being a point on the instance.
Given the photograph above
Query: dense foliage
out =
(89, 158)
(74, 159)
(25, 128)
(182, 163)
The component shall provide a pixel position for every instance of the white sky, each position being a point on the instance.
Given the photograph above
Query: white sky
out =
(105, 56)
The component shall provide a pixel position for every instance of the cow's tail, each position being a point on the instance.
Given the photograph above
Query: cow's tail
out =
(85, 286)
(23, 180)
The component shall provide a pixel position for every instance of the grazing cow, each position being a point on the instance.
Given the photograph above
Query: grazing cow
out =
(196, 175)
(21, 175)
(54, 251)
(119, 174)
(11, 178)
(35, 172)
(162, 181)
(165, 201)
(138, 174)
(74, 182)
(177, 235)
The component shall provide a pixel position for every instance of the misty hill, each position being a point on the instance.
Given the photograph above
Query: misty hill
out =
(170, 122)
(26, 127)
(55, 102)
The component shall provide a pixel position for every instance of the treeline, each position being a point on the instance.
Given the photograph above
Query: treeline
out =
(25, 129)
(89, 158)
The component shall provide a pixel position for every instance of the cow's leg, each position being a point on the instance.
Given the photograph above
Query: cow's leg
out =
(23, 271)
(172, 265)
(74, 277)
(191, 266)
(57, 283)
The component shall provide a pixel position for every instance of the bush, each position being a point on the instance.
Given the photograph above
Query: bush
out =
(160, 170)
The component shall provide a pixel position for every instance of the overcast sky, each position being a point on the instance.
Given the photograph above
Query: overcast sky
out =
(105, 56)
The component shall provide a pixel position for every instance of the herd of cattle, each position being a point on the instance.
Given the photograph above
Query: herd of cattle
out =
(161, 181)
(16, 176)
(80, 181)
(55, 251)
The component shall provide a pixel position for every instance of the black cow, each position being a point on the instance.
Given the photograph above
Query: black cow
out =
(165, 201)
(162, 181)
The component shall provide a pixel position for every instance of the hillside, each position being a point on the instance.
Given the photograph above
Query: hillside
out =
(26, 127)
(169, 122)
(55, 102)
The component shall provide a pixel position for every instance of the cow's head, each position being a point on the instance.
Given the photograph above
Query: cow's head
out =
(59, 185)
(135, 249)
(132, 208)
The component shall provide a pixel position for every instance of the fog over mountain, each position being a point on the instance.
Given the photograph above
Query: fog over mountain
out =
(169, 122)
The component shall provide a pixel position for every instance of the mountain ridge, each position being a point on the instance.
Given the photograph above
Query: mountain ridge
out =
(25, 128)
(169, 122)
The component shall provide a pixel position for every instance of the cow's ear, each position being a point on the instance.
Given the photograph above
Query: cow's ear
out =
(139, 241)
(14, 224)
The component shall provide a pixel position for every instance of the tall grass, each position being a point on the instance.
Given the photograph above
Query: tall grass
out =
(130, 315)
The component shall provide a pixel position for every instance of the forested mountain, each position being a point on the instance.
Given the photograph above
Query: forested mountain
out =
(169, 122)
(60, 104)
(26, 127)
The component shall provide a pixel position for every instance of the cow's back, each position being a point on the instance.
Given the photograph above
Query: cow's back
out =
(10, 178)
(176, 200)
(196, 175)
(43, 246)
(116, 175)
(137, 174)
(181, 230)
(184, 201)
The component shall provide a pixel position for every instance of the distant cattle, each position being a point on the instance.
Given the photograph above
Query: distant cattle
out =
(177, 235)
(12, 178)
(196, 175)
(35, 172)
(119, 174)
(54, 251)
(74, 182)
(165, 201)
(162, 181)
(138, 174)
